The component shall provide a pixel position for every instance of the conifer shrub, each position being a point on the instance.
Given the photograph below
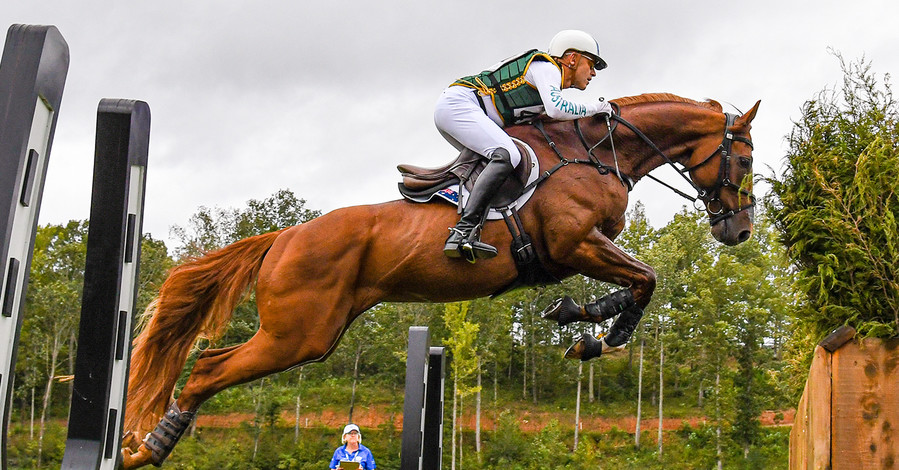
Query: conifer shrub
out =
(836, 205)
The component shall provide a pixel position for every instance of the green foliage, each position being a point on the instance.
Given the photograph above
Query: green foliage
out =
(461, 346)
(836, 206)
(509, 444)
(23, 452)
(209, 229)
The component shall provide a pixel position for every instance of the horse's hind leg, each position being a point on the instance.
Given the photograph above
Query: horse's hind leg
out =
(262, 355)
(268, 351)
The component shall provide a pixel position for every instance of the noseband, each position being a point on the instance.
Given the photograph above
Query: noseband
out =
(712, 198)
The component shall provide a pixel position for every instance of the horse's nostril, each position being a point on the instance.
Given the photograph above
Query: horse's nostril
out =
(744, 235)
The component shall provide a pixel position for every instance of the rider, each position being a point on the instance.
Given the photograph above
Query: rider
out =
(472, 112)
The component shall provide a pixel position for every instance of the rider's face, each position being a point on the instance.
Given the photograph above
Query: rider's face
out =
(582, 71)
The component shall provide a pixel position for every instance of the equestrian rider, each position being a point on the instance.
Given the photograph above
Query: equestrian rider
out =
(472, 112)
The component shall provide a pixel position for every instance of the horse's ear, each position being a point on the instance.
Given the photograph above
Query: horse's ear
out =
(750, 115)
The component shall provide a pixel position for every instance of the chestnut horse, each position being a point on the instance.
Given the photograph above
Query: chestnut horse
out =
(312, 280)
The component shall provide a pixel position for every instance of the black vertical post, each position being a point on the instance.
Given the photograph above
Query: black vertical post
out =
(33, 73)
(110, 285)
(432, 447)
(414, 403)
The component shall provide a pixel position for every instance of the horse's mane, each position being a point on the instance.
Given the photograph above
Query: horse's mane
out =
(665, 98)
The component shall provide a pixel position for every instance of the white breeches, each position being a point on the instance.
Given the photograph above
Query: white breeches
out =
(463, 123)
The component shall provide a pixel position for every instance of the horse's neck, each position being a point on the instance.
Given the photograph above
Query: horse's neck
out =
(674, 131)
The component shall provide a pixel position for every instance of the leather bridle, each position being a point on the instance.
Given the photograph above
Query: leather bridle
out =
(712, 198)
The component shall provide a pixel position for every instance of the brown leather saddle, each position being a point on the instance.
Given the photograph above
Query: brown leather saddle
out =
(420, 183)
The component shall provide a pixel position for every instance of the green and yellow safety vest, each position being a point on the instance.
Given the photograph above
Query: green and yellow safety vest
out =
(506, 86)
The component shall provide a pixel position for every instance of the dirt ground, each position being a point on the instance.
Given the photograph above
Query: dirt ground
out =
(529, 421)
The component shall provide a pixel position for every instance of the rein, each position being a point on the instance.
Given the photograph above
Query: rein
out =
(602, 168)
(712, 198)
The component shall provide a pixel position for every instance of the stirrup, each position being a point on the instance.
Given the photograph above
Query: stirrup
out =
(467, 245)
(453, 246)
(476, 249)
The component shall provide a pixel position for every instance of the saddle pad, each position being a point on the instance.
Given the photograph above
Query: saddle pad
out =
(450, 193)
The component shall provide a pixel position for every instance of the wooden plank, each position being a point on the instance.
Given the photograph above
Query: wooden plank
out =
(819, 409)
(810, 437)
(799, 434)
(866, 405)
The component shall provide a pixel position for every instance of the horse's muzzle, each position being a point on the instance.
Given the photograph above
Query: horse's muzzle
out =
(735, 229)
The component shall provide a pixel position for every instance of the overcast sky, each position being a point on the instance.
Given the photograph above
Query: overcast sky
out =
(251, 97)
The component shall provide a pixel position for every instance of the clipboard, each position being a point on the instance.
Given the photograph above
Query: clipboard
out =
(349, 465)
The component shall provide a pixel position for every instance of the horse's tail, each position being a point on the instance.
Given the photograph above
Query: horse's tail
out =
(197, 299)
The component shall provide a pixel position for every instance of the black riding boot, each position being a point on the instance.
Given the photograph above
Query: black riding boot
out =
(465, 237)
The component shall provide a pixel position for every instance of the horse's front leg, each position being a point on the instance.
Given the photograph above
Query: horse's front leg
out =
(597, 257)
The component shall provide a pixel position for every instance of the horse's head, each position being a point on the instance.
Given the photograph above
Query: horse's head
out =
(721, 167)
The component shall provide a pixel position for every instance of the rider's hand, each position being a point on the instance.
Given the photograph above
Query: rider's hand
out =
(603, 107)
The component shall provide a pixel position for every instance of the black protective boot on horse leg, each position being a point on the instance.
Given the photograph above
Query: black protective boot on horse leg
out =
(588, 347)
(168, 432)
(566, 310)
(464, 240)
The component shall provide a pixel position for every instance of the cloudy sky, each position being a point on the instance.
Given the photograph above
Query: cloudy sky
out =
(251, 97)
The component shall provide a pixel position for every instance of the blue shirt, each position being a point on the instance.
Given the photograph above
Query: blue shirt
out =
(363, 456)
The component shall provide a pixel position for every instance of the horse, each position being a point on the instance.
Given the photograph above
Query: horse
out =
(312, 280)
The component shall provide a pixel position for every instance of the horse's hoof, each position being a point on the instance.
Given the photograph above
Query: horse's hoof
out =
(564, 311)
(138, 459)
(131, 441)
(588, 347)
(551, 312)
(585, 348)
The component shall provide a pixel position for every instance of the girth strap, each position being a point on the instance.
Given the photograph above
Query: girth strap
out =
(522, 250)
(530, 270)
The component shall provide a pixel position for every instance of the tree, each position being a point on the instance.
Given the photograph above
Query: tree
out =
(209, 229)
(678, 253)
(57, 276)
(464, 359)
(836, 206)
(637, 240)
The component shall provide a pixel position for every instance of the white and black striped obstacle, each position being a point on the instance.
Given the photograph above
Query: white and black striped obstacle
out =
(32, 74)
(422, 438)
(110, 286)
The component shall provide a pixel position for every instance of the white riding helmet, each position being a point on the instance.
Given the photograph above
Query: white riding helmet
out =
(572, 39)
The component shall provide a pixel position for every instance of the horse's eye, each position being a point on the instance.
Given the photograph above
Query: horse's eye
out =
(746, 162)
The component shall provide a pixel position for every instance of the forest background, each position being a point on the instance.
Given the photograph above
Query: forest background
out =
(726, 339)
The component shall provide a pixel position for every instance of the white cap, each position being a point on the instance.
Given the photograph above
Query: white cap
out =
(572, 39)
(351, 427)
